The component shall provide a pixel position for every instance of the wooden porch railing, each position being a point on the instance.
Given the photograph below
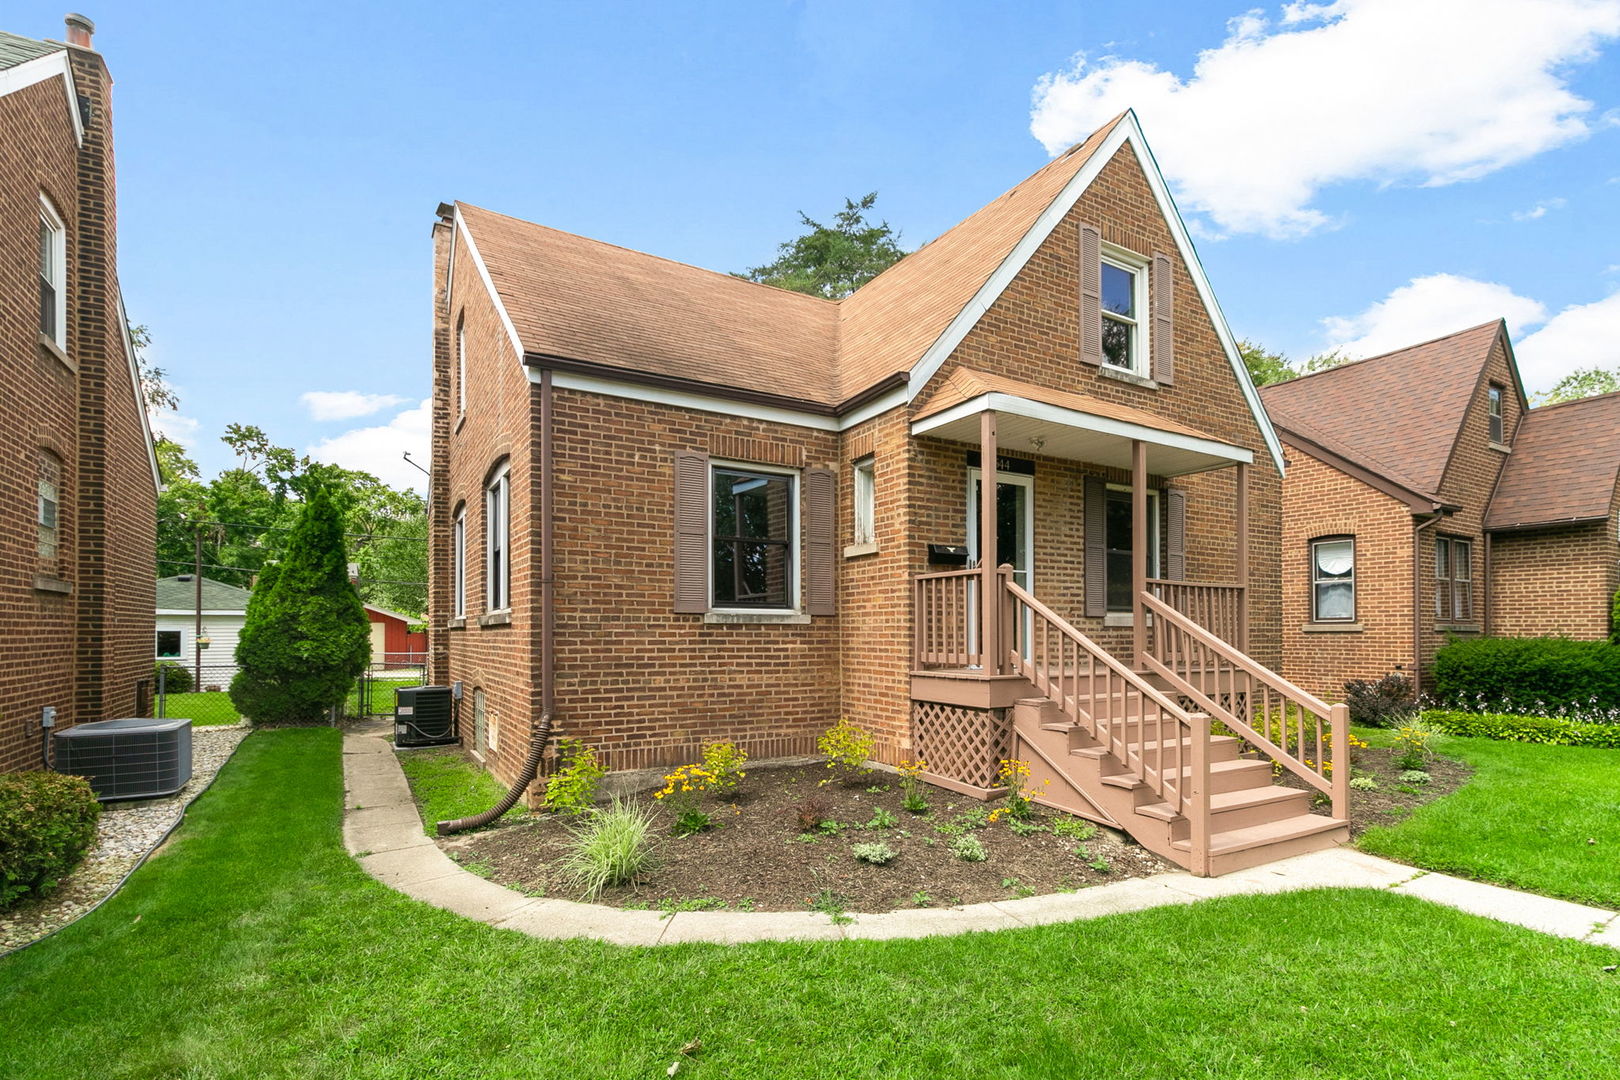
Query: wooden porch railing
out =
(1308, 736)
(1162, 744)
(945, 609)
(1220, 608)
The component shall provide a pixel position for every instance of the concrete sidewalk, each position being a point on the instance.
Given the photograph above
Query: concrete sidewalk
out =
(383, 831)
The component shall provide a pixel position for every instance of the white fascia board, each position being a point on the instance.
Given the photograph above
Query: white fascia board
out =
(682, 399)
(483, 273)
(38, 70)
(1128, 130)
(1103, 425)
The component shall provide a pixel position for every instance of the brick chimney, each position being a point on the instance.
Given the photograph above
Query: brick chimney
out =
(79, 30)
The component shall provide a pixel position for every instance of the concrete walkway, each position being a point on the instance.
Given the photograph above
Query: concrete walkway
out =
(383, 831)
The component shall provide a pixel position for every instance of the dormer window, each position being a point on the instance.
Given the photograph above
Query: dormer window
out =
(1496, 414)
(1124, 304)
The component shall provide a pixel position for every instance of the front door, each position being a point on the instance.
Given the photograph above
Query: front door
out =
(1015, 525)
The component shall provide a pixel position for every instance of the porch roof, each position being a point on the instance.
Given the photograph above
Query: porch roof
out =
(1064, 424)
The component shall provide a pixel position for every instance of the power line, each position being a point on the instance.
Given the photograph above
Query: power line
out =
(282, 528)
(260, 569)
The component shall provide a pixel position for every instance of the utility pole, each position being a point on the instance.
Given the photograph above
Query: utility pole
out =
(196, 633)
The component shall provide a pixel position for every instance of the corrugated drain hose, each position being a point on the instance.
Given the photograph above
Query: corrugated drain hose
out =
(539, 736)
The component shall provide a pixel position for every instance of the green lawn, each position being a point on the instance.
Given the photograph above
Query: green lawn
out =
(1526, 818)
(381, 695)
(202, 708)
(253, 946)
(449, 786)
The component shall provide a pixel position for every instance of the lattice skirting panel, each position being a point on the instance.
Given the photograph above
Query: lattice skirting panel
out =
(1238, 708)
(962, 744)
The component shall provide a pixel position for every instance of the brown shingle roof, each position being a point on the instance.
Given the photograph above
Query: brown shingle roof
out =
(585, 300)
(965, 384)
(1565, 462)
(1397, 414)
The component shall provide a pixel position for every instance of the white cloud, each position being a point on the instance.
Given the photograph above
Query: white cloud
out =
(379, 450)
(174, 426)
(1580, 336)
(1416, 91)
(1538, 211)
(346, 404)
(1429, 307)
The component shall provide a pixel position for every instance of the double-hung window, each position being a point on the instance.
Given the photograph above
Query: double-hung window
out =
(1496, 413)
(865, 502)
(52, 275)
(1124, 312)
(461, 365)
(497, 541)
(1118, 528)
(1333, 580)
(458, 564)
(753, 521)
(1453, 579)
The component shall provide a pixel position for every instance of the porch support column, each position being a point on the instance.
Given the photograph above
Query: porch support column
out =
(1139, 551)
(989, 558)
(1243, 555)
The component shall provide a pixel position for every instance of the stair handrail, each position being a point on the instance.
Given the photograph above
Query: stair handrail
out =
(1338, 716)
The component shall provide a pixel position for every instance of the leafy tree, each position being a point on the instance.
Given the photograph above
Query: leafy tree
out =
(305, 639)
(1581, 383)
(155, 387)
(1265, 367)
(833, 260)
(1323, 361)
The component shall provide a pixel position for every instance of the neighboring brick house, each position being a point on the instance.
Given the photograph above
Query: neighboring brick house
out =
(1554, 523)
(1393, 461)
(672, 506)
(78, 480)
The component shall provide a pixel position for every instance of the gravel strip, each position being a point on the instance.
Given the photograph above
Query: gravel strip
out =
(126, 834)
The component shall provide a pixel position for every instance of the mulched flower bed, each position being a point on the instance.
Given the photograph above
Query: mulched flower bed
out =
(1394, 799)
(759, 859)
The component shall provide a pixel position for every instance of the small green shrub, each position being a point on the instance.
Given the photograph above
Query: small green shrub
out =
(610, 848)
(1614, 619)
(881, 819)
(922, 899)
(1363, 783)
(876, 854)
(724, 762)
(572, 788)
(1381, 703)
(847, 748)
(1410, 747)
(47, 822)
(1529, 674)
(974, 817)
(968, 848)
(1025, 828)
(811, 813)
(174, 678)
(1508, 727)
(1415, 776)
(1073, 828)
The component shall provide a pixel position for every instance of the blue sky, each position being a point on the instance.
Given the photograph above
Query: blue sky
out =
(1361, 174)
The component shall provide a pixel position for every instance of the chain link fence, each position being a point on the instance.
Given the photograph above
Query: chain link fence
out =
(201, 694)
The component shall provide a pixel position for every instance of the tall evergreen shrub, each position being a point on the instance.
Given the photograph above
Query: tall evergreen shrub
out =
(305, 638)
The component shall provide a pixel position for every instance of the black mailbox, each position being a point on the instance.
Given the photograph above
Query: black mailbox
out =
(947, 555)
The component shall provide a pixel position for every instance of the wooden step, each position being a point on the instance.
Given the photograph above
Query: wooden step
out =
(1238, 849)
(1235, 775)
(1233, 810)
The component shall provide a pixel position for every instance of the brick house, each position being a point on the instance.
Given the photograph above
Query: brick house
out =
(1553, 530)
(670, 506)
(1420, 506)
(78, 479)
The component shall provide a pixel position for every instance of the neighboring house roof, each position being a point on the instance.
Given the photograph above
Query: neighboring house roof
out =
(1565, 462)
(179, 593)
(1397, 415)
(593, 309)
(16, 50)
(385, 613)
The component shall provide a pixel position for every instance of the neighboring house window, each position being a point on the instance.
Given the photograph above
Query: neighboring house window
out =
(1496, 413)
(1333, 580)
(168, 644)
(1124, 311)
(49, 505)
(752, 526)
(497, 541)
(865, 499)
(458, 564)
(1117, 545)
(1454, 579)
(461, 364)
(52, 274)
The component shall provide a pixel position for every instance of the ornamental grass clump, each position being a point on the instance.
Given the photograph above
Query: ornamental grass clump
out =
(612, 847)
(912, 799)
(683, 792)
(572, 788)
(847, 749)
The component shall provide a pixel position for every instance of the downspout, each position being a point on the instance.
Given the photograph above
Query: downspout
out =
(540, 729)
(1417, 601)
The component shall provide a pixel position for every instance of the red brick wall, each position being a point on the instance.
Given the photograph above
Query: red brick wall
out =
(1555, 581)
(1320, 501)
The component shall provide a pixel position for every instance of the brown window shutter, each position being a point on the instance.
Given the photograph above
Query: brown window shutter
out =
(820, 529)
(1096, 560)
(691, 533)
(1163, 287)
(1090, 295)
(1175, 535)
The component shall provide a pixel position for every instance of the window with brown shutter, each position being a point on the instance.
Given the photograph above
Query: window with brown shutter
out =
(820, 532)
(691, 533)
(1164, 350)
(752, 525)
(1091, 348)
